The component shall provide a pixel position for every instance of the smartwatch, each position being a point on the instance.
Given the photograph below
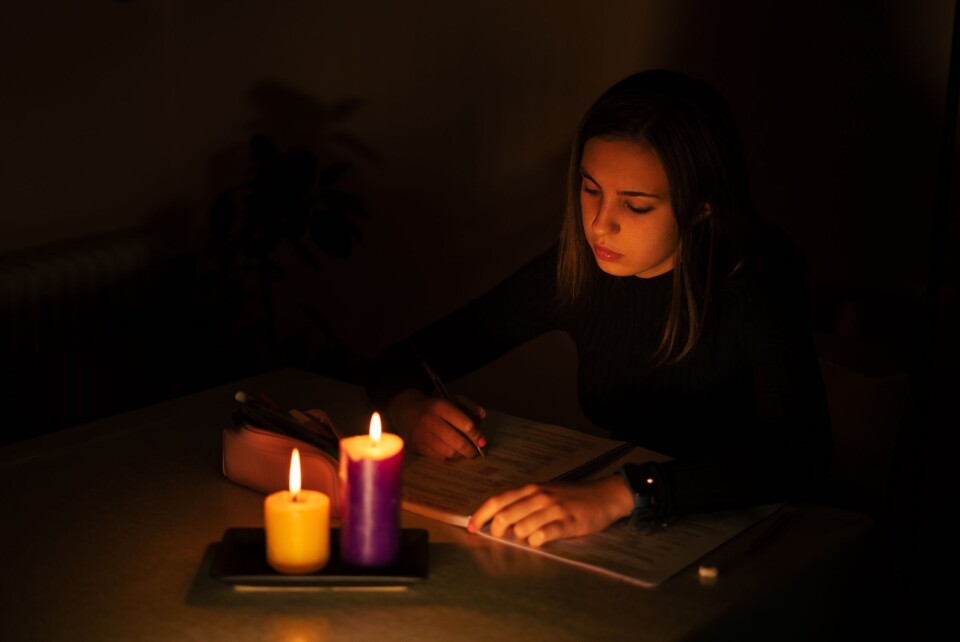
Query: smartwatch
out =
(644, 483)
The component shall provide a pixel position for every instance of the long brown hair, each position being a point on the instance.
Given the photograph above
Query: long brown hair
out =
(692, 130)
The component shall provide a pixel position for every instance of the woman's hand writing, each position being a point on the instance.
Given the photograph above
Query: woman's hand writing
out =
(436, 427)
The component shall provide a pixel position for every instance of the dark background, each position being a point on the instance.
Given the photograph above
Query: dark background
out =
(433, 141)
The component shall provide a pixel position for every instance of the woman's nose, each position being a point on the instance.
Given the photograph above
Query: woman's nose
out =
(604, 221)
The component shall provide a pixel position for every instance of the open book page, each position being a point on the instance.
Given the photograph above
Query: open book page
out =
(651, 554)
(519, 451)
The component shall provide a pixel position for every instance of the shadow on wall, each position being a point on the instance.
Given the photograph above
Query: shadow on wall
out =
(285, 201)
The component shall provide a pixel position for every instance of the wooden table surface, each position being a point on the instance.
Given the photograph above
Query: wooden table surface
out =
(110, 528)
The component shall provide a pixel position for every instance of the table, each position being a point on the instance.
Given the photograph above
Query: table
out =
(110, 528)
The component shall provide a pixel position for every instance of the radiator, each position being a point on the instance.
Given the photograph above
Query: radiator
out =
(72, 324)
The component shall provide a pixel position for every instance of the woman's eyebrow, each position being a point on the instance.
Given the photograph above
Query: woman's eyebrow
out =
(587, 176)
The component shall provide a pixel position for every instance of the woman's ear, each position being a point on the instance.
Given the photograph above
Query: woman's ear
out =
(705, 213)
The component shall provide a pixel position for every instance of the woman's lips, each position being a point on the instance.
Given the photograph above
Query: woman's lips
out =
(604, 254)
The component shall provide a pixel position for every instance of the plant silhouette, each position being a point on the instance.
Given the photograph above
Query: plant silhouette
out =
(292, 198)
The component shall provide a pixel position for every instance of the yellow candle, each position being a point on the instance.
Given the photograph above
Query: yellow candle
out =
(297, 524)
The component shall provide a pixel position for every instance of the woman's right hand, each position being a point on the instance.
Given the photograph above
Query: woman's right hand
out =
(436, 427)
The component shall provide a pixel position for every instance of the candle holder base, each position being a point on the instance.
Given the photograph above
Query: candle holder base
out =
(240, 559)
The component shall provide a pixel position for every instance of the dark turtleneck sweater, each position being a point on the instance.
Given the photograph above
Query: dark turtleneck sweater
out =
(743, 417)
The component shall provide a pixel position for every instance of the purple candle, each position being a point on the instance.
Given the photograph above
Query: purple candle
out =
(371, 469)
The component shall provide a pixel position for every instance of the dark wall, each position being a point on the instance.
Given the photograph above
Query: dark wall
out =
(125, 114)
(452, 126)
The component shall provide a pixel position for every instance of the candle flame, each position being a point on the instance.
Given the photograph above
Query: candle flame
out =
(375, 429)
(295, 474)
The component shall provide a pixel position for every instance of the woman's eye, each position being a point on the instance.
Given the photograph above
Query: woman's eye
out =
(639, 210)
(591, 192)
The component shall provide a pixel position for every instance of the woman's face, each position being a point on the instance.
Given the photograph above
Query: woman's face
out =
(625, 205)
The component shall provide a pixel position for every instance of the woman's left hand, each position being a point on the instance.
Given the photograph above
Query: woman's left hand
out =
(538, 513)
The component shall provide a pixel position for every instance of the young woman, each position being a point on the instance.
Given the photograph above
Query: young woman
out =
(690, 325)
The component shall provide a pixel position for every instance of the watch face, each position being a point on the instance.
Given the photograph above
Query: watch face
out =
(640, 495)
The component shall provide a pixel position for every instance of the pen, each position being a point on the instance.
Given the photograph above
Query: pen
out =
(306, 420)
(324, 427)
(441, 388)
(278, 421)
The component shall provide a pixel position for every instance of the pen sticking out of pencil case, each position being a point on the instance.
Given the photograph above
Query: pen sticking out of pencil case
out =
(258, 457)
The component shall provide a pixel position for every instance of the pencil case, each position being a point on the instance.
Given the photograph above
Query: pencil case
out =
(259, 458)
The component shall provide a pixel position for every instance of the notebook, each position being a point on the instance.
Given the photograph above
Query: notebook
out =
(519, 451)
